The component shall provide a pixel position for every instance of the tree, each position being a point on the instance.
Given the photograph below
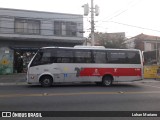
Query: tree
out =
(110, 40)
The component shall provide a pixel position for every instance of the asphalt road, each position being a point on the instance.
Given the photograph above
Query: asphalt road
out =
(81, 97)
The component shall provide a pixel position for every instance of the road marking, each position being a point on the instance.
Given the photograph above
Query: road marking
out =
(73, 94)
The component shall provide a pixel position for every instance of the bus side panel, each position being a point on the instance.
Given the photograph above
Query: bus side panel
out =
(120, 74)
(95, 72)
(37, 71)
(72, 73)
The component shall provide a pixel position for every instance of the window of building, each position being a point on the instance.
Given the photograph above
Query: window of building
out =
(63, 28)
(58, 28)
(71, 29)
(25, 26)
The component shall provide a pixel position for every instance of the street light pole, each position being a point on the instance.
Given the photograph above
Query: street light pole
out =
(92, 24)
(93, 10)
(156, 50)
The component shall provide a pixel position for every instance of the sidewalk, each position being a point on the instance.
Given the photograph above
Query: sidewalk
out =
(20, 79)
(149, 80)
(13, 79)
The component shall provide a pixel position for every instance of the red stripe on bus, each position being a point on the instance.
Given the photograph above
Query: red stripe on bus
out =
(112, 71)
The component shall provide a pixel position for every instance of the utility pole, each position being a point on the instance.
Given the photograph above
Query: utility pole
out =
(93, 10)
(92, 24)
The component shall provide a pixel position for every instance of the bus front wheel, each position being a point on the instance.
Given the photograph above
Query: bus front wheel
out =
(107, 80)
(46, 81)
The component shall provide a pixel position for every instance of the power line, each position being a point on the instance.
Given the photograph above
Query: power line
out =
(134, 26)
(118, 13)
(123, 11)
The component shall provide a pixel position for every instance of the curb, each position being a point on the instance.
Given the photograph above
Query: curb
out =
(20, 83)
(148, 81)
(25, 83)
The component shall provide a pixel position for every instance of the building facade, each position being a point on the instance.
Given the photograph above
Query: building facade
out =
(150, 45)
(22, 32)
(143, 42)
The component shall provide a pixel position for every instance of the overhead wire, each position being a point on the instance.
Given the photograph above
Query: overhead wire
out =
(120, 11)
(139, 27)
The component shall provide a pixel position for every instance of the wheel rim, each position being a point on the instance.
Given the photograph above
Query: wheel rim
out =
(107, 82)
(46, 81)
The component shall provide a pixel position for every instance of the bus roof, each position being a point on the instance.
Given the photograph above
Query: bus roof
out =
(89, 47)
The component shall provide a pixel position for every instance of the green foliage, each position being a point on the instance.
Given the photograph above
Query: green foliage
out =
(110, 40)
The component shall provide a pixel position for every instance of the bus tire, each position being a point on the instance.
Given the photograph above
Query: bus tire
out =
(46, 81)
(107, 80)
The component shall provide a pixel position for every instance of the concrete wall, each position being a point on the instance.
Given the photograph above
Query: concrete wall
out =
(47, 19)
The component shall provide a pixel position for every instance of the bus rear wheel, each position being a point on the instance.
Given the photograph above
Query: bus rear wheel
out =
(107, 81)
(46, 81)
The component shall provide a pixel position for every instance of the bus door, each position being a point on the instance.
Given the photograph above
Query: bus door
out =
(67, 72)
(65, 64)
(57, 73)
(72, 63)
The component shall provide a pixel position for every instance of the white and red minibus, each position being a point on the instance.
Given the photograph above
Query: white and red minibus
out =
(84, 64)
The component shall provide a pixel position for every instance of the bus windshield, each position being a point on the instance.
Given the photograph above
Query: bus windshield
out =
(42, 57)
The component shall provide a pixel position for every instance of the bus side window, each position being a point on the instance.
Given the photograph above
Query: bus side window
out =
(53, 59)
(82, 56)
(42, 57)
(46, 58)
(37, 59)
(134, 57)
(107, 57)
(99, 57)
(117, 57)
(64, 56)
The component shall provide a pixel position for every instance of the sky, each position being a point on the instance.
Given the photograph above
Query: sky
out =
(130, 16)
